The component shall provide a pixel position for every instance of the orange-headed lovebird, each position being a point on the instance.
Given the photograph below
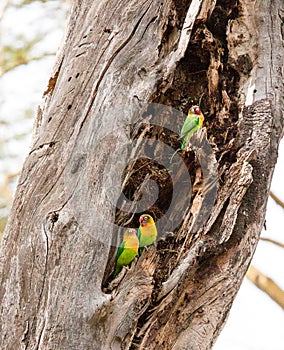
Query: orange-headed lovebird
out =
(127, 250)
(192, 123)
(147, 232)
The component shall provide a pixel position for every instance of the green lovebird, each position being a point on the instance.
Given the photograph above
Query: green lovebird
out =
(192, 123)
(127, 250)
(147, 232)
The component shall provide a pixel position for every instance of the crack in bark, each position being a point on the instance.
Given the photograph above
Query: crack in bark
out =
(40, 297)
(109, 62)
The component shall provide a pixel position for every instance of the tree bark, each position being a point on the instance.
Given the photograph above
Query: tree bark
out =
(58, 248)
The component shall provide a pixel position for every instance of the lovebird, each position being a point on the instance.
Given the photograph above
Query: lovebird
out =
(192, 123)
(127, 250)
(147, 231)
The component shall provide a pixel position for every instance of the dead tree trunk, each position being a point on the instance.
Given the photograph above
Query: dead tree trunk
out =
(117, 57)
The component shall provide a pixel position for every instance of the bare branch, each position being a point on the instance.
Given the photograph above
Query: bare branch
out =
(5, 191)
(276, 199)
(24, 62)
(4, 9)
(266, 284)
(272, 241)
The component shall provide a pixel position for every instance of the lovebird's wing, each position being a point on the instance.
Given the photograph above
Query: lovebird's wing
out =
(120, 250)
(189, 124)
(139, 233)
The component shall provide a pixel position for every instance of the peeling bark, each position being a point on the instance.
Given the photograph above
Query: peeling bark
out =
(55, 291)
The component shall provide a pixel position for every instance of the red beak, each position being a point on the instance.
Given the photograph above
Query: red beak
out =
(141, 219)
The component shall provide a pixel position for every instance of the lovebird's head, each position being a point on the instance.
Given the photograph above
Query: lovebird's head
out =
(195, 110)
(146, 220)
(130, 232)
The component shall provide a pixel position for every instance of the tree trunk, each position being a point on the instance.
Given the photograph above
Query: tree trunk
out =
(58, 248)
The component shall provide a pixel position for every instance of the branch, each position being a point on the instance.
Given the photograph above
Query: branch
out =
(5, 191)
(272, 241)
(25, 61)
(4, 9)
(27, 2)
(266, 284)
(276, 199)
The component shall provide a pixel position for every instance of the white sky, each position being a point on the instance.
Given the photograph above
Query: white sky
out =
(255, 322)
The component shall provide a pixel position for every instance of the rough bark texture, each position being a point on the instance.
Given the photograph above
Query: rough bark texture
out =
(54, 254)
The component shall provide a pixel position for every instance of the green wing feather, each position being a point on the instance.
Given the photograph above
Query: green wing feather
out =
(120, 249)
(139, 233)
(189, 124)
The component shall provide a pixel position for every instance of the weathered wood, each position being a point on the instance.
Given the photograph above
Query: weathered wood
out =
(117, 57)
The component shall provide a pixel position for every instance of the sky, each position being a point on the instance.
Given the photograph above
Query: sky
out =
(255, 321)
